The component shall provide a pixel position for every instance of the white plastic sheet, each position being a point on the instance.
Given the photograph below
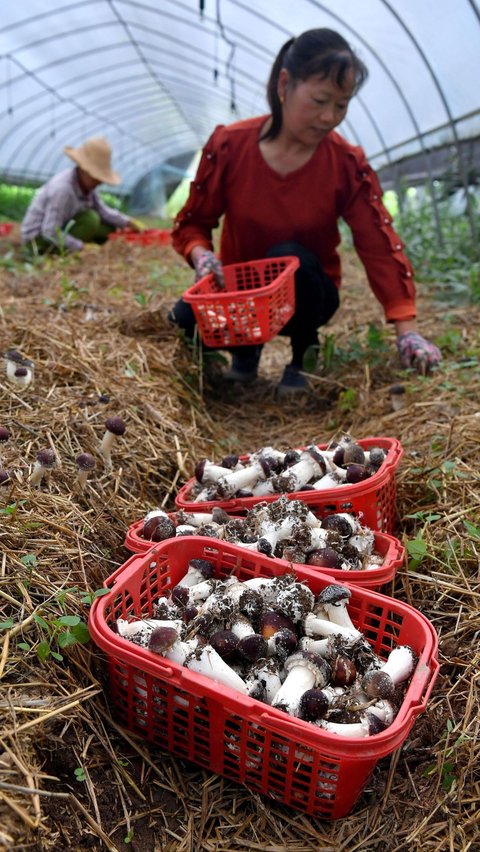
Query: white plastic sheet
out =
(156, 77)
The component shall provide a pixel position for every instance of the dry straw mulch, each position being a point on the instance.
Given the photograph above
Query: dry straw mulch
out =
(96, 330)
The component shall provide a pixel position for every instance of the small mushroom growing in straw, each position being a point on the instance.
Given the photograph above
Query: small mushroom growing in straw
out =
(114, 428)
(22, 377)
(4, 437)
(46, 461)
(85, 464)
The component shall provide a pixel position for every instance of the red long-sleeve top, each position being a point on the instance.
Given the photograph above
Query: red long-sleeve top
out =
(262, 208)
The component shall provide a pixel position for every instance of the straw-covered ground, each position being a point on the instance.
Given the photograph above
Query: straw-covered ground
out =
(96, 330)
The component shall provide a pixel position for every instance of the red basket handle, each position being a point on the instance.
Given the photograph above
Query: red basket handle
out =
(394, 455)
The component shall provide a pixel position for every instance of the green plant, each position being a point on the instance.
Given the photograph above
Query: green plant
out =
(347, 400)
(79, 773)
(58, 631)
(445, 766)
(454, 266)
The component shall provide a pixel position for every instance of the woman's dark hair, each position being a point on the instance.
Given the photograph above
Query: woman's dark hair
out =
(321, 52)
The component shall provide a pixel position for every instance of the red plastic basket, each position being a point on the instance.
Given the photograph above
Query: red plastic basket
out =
(373, 501)
(148, 237)
(258, 300)
(385, 545)
(6, 229)
(249, 742)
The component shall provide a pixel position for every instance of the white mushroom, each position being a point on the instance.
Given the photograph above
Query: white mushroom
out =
(85, 464)
(311, 464)
(202, 659)
(45, 462)
(304, 671)
(369, 724)
(381, 683)
(333, 600)
(114, 428)
(141, 630)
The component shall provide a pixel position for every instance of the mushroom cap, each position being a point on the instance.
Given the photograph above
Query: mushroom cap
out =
(294, 601)
(324, 557)
(271, 622)
(47, 458)
(13, 355)
(4, 434)
(285, 643)
(205, 567)
(334, 594)
(339, 523)
(224, 643)
(353, 453)
(161, 639)
(115, 425)
(344, 671)
(314, 662)
(229, 461)
(313, 705)
(356, 473)
(253, 647)
(4, 476)
(158, 528)
(397, 390)
(378, 684)
(85, 461)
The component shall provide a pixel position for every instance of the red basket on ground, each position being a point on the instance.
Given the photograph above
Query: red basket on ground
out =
(373, 501)
(6, 229)
(197, 719)
(385, 545)
(258, 300)
(148, 237)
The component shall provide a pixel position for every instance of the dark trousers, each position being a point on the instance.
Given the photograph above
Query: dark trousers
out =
(316, 300)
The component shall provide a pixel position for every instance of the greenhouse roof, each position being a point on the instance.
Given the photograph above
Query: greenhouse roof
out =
(156, 77)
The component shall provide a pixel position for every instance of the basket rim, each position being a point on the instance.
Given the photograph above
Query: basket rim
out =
(191, 295)
(394, 549)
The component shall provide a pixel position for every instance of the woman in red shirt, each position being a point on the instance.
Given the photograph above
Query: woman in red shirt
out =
(281, 181)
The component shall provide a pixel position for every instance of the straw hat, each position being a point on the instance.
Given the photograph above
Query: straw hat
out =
(95, 158)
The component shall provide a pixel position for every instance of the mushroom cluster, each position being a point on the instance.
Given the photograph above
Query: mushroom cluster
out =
(273, 640)
(272, 471)
(283, 528)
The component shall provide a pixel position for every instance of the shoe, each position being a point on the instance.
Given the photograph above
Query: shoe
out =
(244, 369)
(292, 381)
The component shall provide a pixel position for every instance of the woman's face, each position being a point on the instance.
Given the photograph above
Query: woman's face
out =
(313, 107)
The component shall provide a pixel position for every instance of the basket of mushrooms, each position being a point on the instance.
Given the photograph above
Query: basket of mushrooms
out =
(355, 476)
(273, 677)
(338, 545)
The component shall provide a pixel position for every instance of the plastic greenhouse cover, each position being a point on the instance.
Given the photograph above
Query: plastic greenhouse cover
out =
(156, 77)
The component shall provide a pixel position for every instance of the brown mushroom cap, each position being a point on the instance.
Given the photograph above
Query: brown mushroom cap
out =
(46, 458)
(4, 435)
(85, 461)
(115, 425)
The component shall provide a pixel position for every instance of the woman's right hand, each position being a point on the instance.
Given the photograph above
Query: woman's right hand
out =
(206, 262)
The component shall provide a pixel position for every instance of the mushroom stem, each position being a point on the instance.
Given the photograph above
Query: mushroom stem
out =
(368, 725)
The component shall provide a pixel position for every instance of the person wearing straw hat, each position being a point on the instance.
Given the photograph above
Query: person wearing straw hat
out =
(67, 212)
(280, 182)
